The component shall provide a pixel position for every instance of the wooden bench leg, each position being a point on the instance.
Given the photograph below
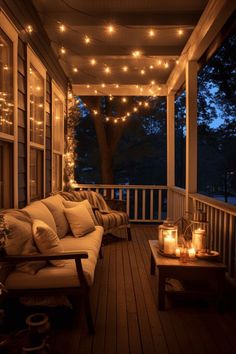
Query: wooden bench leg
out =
(129, 234)
(88, 314)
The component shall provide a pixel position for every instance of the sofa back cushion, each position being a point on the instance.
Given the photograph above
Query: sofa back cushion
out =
(47, 241)
(56, 207)
(19, 241)
(37, 210)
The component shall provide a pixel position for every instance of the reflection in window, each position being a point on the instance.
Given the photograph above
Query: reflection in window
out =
(6, 173)
(57, 173)
(36, 174)
(36, 89)
(6, 84)
(57, 124)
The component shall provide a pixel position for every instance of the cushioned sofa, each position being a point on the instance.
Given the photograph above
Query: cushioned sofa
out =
(67, 264)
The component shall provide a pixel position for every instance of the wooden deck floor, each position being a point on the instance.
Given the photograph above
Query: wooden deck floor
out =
(124, 298)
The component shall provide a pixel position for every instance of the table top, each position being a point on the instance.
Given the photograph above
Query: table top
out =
(175, 262)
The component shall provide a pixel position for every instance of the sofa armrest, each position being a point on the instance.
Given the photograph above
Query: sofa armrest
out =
(116, 204)
(43, 257)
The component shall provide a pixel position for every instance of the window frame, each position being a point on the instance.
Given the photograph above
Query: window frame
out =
(35, 61)
(56, 91)
(10, 30)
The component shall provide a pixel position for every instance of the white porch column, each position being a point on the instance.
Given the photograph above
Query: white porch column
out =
(191, 130)
(170, 151)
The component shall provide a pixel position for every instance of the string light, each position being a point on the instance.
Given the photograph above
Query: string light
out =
(88, 86)
(166, 65)
(103, 85)
(29, 29)
(107, 70)
(87, 39)
(95, 112)
(75, 70)
(117, 86)
(110, 29)
(124, 99)
(63, 51)
(62, 28)
(136, 53)
(151, 67)
(95, 91)
(123, 119)
(93, 61)
(159, 62)
(115, 120)
(153, 82)
(107, 119)
(151, 33)
(142, 72)
(177, 61)
(180, 32)
(125, 68)
(135, 109)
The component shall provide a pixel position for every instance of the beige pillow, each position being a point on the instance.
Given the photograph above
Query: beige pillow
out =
(80, 220)
(56, 207)
(47, 240)
(20, 240)
(69, 204)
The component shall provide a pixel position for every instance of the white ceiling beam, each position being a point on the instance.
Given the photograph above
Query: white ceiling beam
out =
(211, 22)
(122, 90)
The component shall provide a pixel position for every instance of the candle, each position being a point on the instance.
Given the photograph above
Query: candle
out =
(198, 239)
(169, 244)
(177, 252)
(191, 253)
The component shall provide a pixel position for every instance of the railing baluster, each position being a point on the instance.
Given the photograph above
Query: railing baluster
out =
(128, 202)
(120, 193)
(225, 239)
(151, 204)
(143, 204)
(159, 204)
(231, 247)
(136, 204)
(112, 193)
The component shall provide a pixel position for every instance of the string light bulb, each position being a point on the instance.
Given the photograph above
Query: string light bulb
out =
(151, 67)
(88, 86)
(136, 53)
(153, 82)
(123, 119)
(151, 33)
(62, 28)
(124, 99)
(87, 39)
(125, 68)
(166, 65)
(142, 72)
(180, 32)
(107, 70)
(75, 70)
(29, 29)
(95, 112)
(103, 85)
(107, 119)
(159, 62)
(63, 50)
(117, 86)
(93, 61)
(135, 109)
(110, 29)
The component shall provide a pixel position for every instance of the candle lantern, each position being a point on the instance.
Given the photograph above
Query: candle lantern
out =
(199, 230)
(168, 231)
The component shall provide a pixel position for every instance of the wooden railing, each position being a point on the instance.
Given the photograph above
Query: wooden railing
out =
(221, 228)
(143, 203)
(177, 198)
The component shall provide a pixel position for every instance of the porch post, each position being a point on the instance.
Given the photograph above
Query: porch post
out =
(170, 151)
(191, 130)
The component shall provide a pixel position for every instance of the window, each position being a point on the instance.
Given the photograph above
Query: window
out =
(6, 174)
(6, 84)
(8, 114)
(36, 126)
(57, 137)
(36, 89)
(36, 174)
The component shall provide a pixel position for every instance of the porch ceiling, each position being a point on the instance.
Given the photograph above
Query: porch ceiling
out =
(132, 21)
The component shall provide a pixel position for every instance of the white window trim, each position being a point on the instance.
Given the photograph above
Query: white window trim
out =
(58, 92)
(11, 32)
(34, 60)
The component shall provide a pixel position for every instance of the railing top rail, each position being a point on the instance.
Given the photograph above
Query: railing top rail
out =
(119, 186)
(228, 208)
(178, 190)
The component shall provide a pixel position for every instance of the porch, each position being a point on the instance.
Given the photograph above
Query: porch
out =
(124, 305)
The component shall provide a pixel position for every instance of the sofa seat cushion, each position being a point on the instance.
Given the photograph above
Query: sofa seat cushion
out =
(38, 210)
(56, 207)
(53, 277)
(90, 242)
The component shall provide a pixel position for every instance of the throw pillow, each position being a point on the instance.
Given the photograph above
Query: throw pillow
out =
(80, 220)
(47, 241)
(20, 241)
(69, 204)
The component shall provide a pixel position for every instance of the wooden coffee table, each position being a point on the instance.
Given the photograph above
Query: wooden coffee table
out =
(194, 270)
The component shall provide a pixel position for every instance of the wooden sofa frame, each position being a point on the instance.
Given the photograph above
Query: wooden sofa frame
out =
(83, 289)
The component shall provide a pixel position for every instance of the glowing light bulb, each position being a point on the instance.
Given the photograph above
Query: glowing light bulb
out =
(110, 29)
(136, 53)
(135, 109)
(180, 32)
(128, 114)
(177, 61)
(87, 39)
(115, 120)
(166, 65)
(95, 91)
(142, 72)
(62, 28)
(153, 82)
(95, 112)
(29, 29)
(124, 99)
(5, 67)
(107, 119)
(88, 86)
(117, 86)
(141, 89)
(107, 70)
(103, 85)
(159, 62)
(123, 119)
(151, 67)
(140, 103)
(63, 51)
(75, 70)
(93, 61)
(146, 104)
(125, 68)
(151, 33)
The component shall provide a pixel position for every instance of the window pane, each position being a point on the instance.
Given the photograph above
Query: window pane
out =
(6, 84)
(36, 88)
(36, 174)
(6, 173)
(57, 173)
(57, 124)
